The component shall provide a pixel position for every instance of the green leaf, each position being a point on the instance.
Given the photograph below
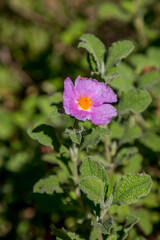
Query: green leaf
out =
(111, 75)
(16, 162)
(142, 238)
(131, 133)
(117, 52)
(64, 151)
(126, 78)
(55, 113)
(92, 139)
(130, 188)
(134, 100)
(145, 222)
(75, 236)
(7, 125)
(47, 185)
(94, 47)
(56, 98)
(62, 172)
(110, 10)
(58, 117)
(130, 222)
(75, 134)
(94, 188)
(104, 227)
(45, 135)
(93, 181)
(125, 153)
(141, 61)
(112, 237)
(120, 212)
(73, 31)
(152, 141)
(117, 130)
(92, 168)
(148, 80)
(94, 235)
(134, 165)
(50, 158)
(108, 202)
(61, 233)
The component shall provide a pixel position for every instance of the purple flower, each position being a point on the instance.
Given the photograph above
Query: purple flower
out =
(87, 100)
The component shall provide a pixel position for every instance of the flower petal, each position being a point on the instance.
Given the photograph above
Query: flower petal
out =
(69, 95)
(108, 95)
(98, 91)
(102, 115)
(70, 102)
(78, 113)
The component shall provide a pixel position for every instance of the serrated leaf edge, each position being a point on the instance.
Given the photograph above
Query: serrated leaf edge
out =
(137, 197)
(102, 196)
(110, 49)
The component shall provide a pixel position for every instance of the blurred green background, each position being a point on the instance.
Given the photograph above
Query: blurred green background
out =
(38, 50)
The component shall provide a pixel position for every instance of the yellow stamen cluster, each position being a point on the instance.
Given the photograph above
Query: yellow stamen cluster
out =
(85, 102)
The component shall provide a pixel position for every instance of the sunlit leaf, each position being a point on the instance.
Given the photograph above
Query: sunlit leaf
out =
(130, 188)
(93, 181)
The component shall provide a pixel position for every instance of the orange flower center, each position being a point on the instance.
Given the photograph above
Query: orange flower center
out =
(84, 102)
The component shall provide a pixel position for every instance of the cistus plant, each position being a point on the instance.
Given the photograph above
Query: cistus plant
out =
(97, 143)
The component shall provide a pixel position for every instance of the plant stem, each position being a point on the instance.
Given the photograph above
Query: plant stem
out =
(100, 235)
(139, 25)
(106, 142)
(74, 158)
(75, 124)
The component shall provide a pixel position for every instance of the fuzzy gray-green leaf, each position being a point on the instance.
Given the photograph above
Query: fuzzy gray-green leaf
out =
(45, 135)
(61, 233)
(112, 237)
(93, 180)
(130, 222)
(104, 227)
(75, 134)
(94, 188)
(148, 80)
(94, 47)
(47, 185)
(134, 100)
(92, 168)
(130, 188)
(151, 140)
(117, 52)
(92, 139)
